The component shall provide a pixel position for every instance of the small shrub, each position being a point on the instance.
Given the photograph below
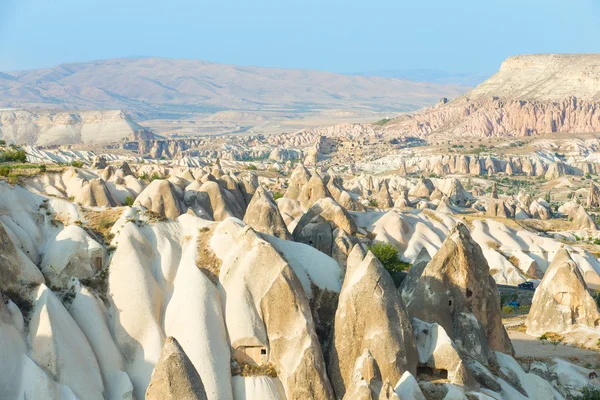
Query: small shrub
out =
(4, 171)
(14, 154)
(382, 121)
(154, 177)
(514, 261)
(252, 167)
(387, 254)
(507, 309)
(77, 164)
(277, 195)
(493, 245)
(129, 201)
(99, 283)
(373, 203)
(2, 142)
(13, 179)
(589, 392)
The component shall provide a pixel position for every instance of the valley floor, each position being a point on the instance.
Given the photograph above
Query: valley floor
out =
(529, 347)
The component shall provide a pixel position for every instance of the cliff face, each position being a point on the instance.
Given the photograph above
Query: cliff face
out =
(45, 128)
(530, 95)
(497, 117)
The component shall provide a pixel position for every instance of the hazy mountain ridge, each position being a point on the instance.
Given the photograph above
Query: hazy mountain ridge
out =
(144, 84)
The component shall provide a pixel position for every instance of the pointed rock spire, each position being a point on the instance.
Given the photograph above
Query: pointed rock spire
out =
(562, 299)
(457, 291)
(174, 376)
(369, 302)
(264, 216)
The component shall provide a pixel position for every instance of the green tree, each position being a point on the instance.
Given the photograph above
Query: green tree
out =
(387, 254)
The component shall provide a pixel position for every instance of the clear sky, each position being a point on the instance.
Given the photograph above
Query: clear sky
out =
(341, 36)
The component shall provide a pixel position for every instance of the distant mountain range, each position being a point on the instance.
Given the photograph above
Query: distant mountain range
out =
(165, 88)
(432, 76)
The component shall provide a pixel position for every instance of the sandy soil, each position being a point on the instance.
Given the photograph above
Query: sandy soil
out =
(531, 347)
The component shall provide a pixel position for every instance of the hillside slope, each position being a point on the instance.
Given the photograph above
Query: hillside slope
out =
(156, 87)
(45, 128)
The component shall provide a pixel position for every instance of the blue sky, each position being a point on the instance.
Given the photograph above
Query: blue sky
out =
(341, 36)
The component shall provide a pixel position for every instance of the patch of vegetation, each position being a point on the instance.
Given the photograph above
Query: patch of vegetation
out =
(589, 392)
(149, 178)
(129, 201)
(507, 309)
(277, 195)
(207, 260)
(596, 297)
(373, 203)
(99, 283)
(66, 296)
(243, 369)
(13, 154)
(382, 122)
(154, 177)
(4, 171)
(552, 337)
(251, 167)
(514, 261)
(24, 302)
(99, 223)
(519, 328)
(153, 217)
(507, 298)
(493, 245)
(387, 254)
(77, 164)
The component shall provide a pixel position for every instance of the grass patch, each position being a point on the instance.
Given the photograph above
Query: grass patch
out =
(149, 178)
(492, 245)
(514, 261)
(518, 328)
(243, 369)
(207, 260)
(431, 215)
(101, 222)
(153, 217)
